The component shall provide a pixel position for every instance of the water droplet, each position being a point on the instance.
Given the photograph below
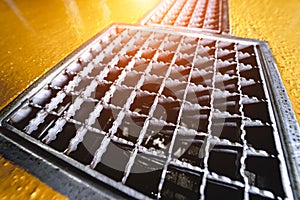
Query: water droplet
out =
(33, 195)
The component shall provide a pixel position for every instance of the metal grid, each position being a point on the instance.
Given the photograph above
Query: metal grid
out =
(163, 114)
(203, 15)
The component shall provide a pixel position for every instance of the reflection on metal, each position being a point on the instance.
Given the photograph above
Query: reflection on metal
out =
(158, 113)
(74, 17)
(19, 14)
(105, 10)
(197, 15)
(16, 183)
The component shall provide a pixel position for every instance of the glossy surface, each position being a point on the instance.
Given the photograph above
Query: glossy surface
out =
(278, 23)
(35, 35)
(16, 183)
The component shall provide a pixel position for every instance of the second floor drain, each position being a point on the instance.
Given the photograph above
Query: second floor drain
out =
(196, 15)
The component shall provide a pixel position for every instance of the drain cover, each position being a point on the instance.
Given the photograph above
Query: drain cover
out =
(197, 15)
(161, 114)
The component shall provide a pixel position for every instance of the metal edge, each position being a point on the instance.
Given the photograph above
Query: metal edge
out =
(263, 66)
(190, 32)
(191, 29)
(61, 177)
(285, 116)
(225, 28)
(36, 147)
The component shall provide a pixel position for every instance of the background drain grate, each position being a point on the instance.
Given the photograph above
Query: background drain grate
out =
(204, 15)
(162, 114)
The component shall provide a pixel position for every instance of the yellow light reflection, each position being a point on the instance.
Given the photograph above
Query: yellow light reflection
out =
(74, 17)
(60, 26)
(19, 14)
(16, 183)
(277, 22)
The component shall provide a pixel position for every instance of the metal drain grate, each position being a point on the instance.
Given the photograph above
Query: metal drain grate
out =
(162, 114)
(204, 15)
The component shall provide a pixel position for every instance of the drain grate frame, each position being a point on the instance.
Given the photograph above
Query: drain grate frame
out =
(196, 15)
(267, 67)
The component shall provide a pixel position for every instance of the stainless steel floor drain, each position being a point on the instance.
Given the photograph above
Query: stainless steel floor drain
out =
(163, 114)
(197, 15)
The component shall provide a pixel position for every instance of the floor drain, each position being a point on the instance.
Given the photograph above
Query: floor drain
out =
(197, 15)
(162, 114)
